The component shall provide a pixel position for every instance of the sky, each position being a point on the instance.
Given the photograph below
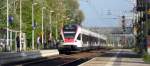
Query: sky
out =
(106, 13)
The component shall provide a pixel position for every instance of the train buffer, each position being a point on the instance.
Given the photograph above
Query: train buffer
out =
(117, 58)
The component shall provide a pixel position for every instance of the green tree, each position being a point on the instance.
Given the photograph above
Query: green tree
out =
(65, 12)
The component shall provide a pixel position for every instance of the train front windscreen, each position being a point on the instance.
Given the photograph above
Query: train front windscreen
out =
(69, 32)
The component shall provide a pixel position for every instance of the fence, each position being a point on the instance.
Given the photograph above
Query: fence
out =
(11, 40)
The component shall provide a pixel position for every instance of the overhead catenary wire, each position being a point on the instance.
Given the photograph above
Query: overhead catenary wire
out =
(97, 12)
(93, 8)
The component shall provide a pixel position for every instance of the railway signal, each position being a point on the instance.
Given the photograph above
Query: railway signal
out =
(123, 23)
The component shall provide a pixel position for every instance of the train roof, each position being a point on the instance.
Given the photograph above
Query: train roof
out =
(93, 34)
(86, 31)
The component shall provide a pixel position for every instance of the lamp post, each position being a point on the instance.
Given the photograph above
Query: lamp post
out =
(56, 30)
(50, 21)
(7, 23)
(50, 24)
(33, 25)
(20, 22)
(42, 22)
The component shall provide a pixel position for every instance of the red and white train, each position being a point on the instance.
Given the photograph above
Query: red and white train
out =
(76, 38)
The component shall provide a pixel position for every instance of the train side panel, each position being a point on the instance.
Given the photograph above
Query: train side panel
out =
(78, 39)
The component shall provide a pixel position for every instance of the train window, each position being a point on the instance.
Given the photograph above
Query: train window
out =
(79, 37)
(70, 28)
(69, 35)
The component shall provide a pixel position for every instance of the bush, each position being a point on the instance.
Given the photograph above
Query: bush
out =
(135, 49)
(146, 58)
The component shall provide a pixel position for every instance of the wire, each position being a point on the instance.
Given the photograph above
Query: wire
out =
(93, 8)
(97, 12)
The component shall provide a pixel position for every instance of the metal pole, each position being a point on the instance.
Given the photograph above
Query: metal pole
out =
(11, 39)
(56, 26)
(20, 22)
(50, 22)
(7, 25)
(15, 41)
(33, 26)
(42, 24)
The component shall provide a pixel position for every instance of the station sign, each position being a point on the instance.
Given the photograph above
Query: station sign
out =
(10, 19)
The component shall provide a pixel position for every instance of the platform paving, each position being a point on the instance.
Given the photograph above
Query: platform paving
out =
(9, 57)
(117, 57)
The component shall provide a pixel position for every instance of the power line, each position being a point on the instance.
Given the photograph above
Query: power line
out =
(97, 11)
(93, 8)
(108, 12)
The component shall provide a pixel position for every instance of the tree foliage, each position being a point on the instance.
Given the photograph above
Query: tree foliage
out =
(65, 12)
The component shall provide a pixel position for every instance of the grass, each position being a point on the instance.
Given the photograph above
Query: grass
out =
(146, 58)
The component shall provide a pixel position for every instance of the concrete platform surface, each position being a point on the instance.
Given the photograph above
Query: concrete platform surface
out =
(7, 57)
(116, 57)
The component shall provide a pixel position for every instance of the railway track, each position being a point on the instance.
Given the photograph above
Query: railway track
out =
(61, 60)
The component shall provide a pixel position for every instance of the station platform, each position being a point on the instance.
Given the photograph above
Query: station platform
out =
(117, 57)
(9, 57)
